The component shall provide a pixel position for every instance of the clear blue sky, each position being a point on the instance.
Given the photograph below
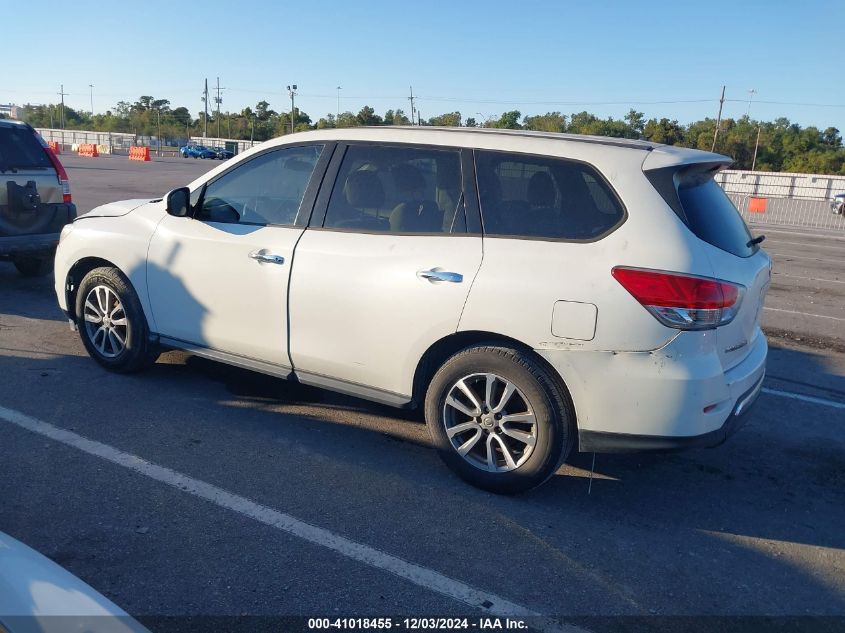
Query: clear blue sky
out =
(481, 57)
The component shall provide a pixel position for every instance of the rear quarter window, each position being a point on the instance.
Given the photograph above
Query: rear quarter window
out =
(20, 149)
(544, 198)
(711, 215)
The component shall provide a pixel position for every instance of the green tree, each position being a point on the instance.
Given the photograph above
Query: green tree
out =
(508, 120)
(636, 123)
(368, 116)
(347, 119)
(663, 131)
(549, 122)
(450, 119)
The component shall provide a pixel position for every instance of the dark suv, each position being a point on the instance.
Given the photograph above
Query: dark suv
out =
(35, 201)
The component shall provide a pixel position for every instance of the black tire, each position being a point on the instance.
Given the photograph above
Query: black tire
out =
(138, 352)
(554, 430)
(33, 266)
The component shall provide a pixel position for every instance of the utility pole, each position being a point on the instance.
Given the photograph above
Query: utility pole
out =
(292, 91)
(91, 88)
(751, 94)
(756, 145)
(205, 101)
(62, 94)
(252, 134)
(158, 110)
(718, 120)
(337, 117)
(411, 99)
(219, 101)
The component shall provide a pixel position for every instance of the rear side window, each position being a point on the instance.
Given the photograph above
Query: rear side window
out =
(545, 198)
(711, 215)
(20, 149)
(393, 189)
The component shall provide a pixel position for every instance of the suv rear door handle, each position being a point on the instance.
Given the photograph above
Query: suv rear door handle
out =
(267, 258)
(440, 275)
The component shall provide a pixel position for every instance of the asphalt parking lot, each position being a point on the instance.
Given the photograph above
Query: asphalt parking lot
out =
(276, 498)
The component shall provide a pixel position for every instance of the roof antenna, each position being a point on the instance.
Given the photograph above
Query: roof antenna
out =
(592, 468)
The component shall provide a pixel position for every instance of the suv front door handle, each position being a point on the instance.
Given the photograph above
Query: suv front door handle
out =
(266, 258)
(434, 275)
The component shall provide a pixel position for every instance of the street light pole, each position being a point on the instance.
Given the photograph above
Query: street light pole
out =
(91, 88)
(337, 117)
(62, 93)
(292, 92)
(756, 146)
(718, 120)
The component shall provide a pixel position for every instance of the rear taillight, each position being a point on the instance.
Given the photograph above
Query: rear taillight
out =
(681, 301)
(60, 171)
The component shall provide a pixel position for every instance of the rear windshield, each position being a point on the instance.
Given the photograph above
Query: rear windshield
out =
(20, 149)
(711, 215)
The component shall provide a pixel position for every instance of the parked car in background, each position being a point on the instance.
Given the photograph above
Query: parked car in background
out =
(35, 200)
(38, 595)
(197, 151)
(532, 292)
(837, 203)
(223, 153)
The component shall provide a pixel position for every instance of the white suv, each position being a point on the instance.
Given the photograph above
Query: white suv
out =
(533, 292)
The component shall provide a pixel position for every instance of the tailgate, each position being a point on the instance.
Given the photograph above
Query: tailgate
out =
(735, 339)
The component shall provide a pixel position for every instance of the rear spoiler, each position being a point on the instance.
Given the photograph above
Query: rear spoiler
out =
(664, 178)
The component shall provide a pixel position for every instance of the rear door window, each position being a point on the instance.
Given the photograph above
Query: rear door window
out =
(398, 189)
(711, 215)
(20, 149)
(545, 198)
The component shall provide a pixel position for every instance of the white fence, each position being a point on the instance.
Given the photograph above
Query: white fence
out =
(788, 199)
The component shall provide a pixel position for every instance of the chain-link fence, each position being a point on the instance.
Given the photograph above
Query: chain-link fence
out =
(786, 199)
(233, 145)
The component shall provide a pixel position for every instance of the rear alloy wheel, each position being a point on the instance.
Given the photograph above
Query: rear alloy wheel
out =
(30, 266)
(498, 420)
(490, 423)
(111, 322)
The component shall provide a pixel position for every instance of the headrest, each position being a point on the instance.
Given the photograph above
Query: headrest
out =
(364, 190)
(541, 190)
(407, 178)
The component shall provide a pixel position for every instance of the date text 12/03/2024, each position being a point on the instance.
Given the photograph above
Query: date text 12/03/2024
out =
(415, 624)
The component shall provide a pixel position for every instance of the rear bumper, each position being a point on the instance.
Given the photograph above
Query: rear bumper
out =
(40, 243)
(679, 396)
(602, 442)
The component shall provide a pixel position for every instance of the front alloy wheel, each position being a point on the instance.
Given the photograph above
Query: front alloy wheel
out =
(490, 422)
(111, 321)
(105, 321)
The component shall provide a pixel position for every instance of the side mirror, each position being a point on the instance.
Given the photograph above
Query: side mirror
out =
(179, 202)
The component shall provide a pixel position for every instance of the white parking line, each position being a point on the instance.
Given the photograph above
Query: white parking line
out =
(803, 398)
(813, 259)
(767, 229)
(808, 244)
(420, 576)
(830, 281)
(809, 314)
